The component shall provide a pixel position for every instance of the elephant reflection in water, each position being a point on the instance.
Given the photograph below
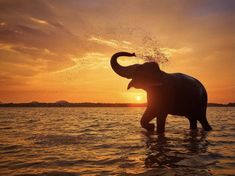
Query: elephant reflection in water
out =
(165, 152)
(196, 142)
(158, 149)
(176, 93)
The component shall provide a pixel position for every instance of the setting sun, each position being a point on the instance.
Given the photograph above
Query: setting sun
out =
(138, 98)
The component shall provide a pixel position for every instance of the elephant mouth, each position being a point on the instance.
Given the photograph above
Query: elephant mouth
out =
(135, 84)
(131, 84)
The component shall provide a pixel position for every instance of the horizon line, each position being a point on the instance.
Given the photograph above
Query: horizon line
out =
(64, 101)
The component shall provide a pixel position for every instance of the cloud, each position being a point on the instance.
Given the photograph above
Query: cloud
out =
(89, 61)
(111, 43)
(34, 38)
(36, 20)
(170, 52)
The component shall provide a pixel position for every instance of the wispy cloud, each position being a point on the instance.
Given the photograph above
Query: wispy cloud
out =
(112, 43)
(36, 20)
(169, 52)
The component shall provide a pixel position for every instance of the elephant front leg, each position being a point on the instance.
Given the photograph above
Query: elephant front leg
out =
(146, 118)
(193, 124)
(161, 121)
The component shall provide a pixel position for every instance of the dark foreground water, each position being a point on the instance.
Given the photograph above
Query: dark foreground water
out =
(110, 141)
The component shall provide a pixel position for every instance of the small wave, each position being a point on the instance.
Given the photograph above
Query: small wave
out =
(57, 139)
(112, 144)
(55, 173)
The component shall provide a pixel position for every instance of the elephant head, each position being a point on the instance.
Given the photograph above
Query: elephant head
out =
(143, 75)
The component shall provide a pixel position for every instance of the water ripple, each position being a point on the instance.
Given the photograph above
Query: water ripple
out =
(110, 141)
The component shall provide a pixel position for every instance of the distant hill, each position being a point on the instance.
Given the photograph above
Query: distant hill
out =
(64, 103)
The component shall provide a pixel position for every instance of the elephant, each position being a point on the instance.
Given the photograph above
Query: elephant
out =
(167, 93)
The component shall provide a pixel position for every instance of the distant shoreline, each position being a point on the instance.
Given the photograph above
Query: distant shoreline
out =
(67, 104)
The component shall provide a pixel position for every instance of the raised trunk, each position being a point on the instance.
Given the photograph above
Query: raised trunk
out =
(127, 71)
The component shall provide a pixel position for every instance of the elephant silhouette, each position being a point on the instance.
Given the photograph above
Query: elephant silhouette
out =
(167, 93)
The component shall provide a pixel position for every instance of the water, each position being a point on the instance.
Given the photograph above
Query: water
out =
(110, 141)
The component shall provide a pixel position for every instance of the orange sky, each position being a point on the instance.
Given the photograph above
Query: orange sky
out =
(60, 50)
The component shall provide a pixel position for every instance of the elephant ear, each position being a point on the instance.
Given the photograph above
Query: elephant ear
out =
(146, 75)
(157, 84)
(157, 75)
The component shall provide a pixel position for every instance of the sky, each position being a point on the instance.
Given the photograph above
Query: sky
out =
(54, 50)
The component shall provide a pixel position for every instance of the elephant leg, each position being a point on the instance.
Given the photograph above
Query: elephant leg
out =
(206, 126)
(146, 118)
(193, 123)
(161, 121)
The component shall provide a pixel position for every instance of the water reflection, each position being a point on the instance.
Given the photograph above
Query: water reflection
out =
(158, 149)
(165, 152)
(196, 141)
(107, 141)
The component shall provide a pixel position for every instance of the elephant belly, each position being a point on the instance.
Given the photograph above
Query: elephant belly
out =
(182, 95)
(187, 102)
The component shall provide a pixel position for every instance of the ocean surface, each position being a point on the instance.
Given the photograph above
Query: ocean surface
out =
(110, 141)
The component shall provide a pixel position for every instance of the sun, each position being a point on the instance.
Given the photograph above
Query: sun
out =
(138, 98)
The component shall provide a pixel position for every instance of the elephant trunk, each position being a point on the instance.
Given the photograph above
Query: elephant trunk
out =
(127, 71)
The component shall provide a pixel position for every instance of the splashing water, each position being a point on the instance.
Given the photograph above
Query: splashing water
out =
(150, 51)
(145, 46)
(132, 39)
(136, 40)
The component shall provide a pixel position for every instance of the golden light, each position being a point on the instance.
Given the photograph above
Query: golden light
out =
(138, 98)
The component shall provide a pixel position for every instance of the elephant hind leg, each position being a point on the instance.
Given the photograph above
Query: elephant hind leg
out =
(205, 123)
